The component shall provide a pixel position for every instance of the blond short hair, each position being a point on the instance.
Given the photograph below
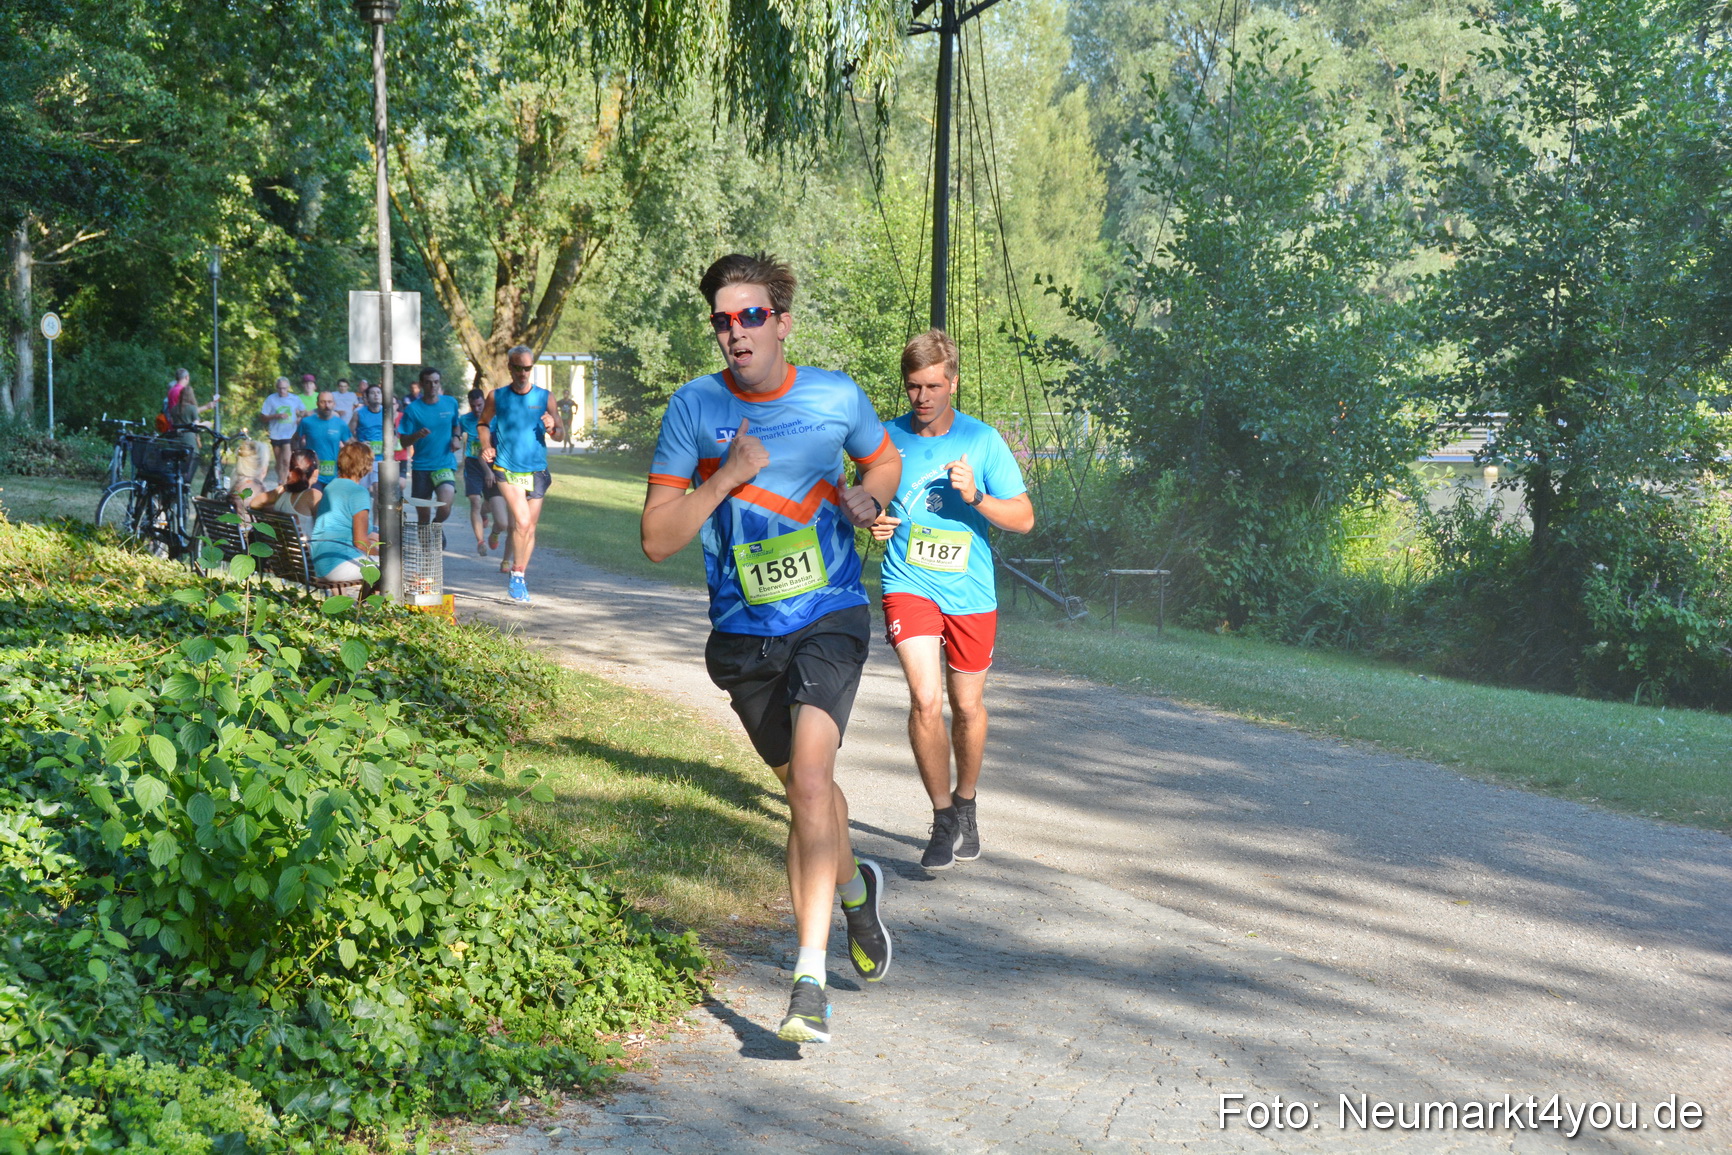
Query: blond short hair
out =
(924, 350)
(354, 460)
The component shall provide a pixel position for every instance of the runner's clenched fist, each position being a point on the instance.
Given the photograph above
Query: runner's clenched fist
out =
(962, 478)
(747, 456)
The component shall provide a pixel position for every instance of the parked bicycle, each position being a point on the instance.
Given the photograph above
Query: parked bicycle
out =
(151, 507)
(122, 429)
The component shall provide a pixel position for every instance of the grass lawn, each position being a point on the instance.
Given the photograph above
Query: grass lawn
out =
(592, 513)
(1669, 764)
(677, 813)
(42, 499)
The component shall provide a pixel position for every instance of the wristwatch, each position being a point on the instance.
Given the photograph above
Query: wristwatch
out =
(979, 496)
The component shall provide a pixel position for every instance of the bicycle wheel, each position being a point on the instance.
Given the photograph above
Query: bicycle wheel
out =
(117, 508)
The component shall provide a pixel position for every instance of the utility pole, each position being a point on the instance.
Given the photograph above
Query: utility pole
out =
(216, 389)
(379, 13)
(948, 25)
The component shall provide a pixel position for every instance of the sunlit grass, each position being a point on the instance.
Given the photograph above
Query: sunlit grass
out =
(41, 499)
(678, 813)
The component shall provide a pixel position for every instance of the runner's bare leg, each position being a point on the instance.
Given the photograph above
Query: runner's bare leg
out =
(967, 728)
(820, 857)
(923, 665)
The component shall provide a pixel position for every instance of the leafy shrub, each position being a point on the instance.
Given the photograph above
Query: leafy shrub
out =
(235, 847)
(27, 451)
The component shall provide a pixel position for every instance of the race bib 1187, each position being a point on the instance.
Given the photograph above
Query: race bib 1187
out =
(944, 550)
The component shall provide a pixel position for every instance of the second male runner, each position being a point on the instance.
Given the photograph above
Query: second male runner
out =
(759, 446)
(940, 604)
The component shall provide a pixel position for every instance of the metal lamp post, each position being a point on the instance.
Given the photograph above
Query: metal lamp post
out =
(216, 389)
(379, 13)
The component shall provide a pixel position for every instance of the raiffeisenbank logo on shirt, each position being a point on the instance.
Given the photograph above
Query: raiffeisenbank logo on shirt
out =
(725, 433)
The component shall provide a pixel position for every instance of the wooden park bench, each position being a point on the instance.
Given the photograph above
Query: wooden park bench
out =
(289, 558)
(208, 525)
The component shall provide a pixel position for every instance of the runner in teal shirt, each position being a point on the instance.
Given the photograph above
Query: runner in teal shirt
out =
(940, 605)
(325, 434)
(430, 427)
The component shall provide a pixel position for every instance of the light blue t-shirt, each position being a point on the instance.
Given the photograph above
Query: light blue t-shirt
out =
(370, 427)
(325, 436)
(519, 439)
(471, 442)
(927, 501)
(332, 541)
(439, 418)
(806, 425)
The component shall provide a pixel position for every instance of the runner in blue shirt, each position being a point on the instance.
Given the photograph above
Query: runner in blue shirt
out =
(367, 425)
(479, 486)
(760, 446)
(940, 603)
(324, 433)
(513, 430)
(430, 427)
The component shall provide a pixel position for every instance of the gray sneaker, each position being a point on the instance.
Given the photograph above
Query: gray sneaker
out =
(967, 830)
(941, 850)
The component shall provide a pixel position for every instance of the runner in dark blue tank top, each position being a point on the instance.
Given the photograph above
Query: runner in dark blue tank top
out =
(513, 428)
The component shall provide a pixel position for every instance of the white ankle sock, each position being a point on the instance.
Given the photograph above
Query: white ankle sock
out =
(810, 964)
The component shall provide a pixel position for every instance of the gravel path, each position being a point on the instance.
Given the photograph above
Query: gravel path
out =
(1175, 906)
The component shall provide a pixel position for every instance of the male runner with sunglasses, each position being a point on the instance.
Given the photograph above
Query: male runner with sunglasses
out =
(940, 605)
(513, 429)
(759, 445)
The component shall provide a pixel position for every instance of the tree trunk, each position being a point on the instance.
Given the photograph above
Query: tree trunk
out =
(19, 397)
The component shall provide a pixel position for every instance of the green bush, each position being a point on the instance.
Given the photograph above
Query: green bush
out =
(119, 378)
(28, 451)
(245, 836)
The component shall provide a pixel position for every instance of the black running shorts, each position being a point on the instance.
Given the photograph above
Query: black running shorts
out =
(422, 482)
(478, 479)
(765, 677)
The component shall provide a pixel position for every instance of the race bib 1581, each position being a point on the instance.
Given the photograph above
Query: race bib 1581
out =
(781, 567)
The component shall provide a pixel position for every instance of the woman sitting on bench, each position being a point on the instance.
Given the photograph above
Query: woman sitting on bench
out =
(298, 495)
(342, 539)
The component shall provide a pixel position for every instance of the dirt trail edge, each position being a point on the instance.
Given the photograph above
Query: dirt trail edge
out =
(1175, 907)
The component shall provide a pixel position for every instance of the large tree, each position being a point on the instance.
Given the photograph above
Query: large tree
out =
(1584, 206)
(1250, 358)
(519, 150)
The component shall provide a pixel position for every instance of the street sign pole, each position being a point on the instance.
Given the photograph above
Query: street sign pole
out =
(379, 13)
(50, 330)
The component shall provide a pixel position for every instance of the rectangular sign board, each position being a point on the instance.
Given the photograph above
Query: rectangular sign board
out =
(364, 328)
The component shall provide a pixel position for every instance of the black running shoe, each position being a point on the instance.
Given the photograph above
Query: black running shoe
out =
(967, 830)
(808, 1018)
(941, 851)
(868, 937)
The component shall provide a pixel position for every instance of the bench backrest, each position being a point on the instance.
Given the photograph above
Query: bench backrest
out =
(288, 559)
(229, 537)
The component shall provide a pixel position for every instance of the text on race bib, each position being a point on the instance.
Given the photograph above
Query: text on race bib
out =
(378, 448)
(444, 476)
(944, 550)
(525, 481)
(328, 468)
(781, 567)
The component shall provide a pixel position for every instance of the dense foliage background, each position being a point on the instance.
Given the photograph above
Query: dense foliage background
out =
(1221, 273)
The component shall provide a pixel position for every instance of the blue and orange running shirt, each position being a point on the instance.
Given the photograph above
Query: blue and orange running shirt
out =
(806, 425)
(940, 550)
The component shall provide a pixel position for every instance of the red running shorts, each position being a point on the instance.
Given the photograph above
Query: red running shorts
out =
(967, 638)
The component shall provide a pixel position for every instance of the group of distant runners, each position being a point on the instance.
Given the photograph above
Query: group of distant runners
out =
(327, 464)
(750, 462)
